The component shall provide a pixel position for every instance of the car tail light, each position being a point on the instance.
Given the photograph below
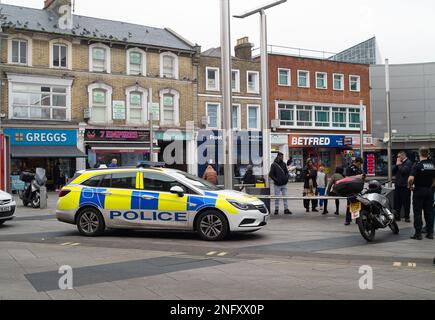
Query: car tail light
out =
(63, 193)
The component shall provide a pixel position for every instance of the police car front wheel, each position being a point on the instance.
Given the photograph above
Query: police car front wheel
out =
(212, 226)
(90, 222)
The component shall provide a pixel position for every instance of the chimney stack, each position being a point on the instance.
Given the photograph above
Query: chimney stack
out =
(243, 49)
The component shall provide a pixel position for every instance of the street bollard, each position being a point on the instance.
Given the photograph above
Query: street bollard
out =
(43, 198)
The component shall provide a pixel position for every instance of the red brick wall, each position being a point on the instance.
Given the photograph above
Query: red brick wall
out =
(294, 93)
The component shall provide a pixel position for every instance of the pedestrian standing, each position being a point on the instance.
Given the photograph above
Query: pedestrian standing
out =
(114, 163)
(211, 175)
(421, 181)
(291, 169)
(402, 195)
(322, 182)
(337, 176)
(355, 170)
(280, 176)
(249, 177)
(310, 186)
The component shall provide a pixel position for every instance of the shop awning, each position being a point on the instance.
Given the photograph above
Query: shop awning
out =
(46, 152)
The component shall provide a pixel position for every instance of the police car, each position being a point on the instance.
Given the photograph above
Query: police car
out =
(150, 197)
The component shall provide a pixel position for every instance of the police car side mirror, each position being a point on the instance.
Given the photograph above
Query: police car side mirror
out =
(177, 190)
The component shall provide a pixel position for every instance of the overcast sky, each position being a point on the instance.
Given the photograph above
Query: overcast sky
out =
(405, 29)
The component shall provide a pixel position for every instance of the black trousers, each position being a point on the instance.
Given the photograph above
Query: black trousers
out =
(314, 204)
(402, 198)
(423, 203)
(337, 203)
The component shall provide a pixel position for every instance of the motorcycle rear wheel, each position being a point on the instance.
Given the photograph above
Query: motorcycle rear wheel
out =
(367, 230)
(36, 200)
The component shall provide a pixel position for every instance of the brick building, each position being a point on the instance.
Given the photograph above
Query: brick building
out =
(314, 105)
(246, 110)
(83, 88)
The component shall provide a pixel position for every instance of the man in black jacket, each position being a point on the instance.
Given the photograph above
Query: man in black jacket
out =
(402, 194)
(280, 176)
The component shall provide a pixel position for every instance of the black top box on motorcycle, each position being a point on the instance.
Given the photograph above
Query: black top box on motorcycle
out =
(349, 187)
(27, 177)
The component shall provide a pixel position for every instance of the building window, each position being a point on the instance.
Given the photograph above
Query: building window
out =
(339, 117)
(136, 63)
(213, 114)
(303, 79)
(254, 118)
(100, 103)
(286, 115)
(322, 116)
(40, 102)
(212, 78)
(355, 83)
(253, 81)
(338, 82)
(19, 51)
(235, 117)
(354, 118)
(235, 80)
(136, 105)
(169, 65)
(169, 100)
(304, 116)
(321, 80)
(60, 56)
(284, 77)
(100, 58)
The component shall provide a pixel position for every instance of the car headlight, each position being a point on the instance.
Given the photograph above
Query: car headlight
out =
(241, 206)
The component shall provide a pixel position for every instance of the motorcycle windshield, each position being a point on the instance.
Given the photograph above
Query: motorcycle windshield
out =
(40, 177)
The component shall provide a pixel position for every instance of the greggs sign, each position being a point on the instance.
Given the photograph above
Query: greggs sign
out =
(300, 141)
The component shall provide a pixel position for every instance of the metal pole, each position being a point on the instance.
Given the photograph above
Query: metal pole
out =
(265, 97)
(390, 143)
(361, 116)
(151, 116)
(226, 92)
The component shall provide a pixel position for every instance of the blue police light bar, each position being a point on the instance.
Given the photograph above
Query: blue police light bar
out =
(151, 164)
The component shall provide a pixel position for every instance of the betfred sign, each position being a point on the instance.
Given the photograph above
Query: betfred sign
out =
(299, 141)
(371, 164)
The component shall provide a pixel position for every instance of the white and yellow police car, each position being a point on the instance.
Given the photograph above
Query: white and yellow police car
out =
(156, 198)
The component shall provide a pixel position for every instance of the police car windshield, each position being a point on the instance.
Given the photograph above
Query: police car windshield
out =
(195, 181)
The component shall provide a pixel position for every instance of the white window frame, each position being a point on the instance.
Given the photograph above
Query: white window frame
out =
(219, 119)
(217, 79)
(21, 37)
(109, 92)
(35, 80)
(176, 95)
(342, 81)
(68, 53)
(108, 65)
(257, 84)
(326, 80)
(289, 84)
(176, 64)
(144, 93)
(144, 62)
(313, 105)
(308, 79)
(237, 83)
(350, 83)
(239, 116)
(258, 117)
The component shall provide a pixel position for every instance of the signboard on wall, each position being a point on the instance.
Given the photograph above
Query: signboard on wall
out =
(371, 164)
(118, 110)
(301, 141)
(98, 135)
(42, 137)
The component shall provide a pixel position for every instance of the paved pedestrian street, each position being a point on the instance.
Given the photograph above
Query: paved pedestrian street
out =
(303, 256)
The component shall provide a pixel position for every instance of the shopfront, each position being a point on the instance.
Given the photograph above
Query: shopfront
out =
(176, 148)
(44, 148)
(129, 147)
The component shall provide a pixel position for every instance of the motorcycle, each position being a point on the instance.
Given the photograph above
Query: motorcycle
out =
(370, 208)
(34, 183)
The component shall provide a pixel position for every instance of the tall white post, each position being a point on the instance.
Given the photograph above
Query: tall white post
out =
(390, 142)
(361, 117)
(226, 92)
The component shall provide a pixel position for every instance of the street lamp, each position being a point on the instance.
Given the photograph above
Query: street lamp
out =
(390, 136)
(264, 80)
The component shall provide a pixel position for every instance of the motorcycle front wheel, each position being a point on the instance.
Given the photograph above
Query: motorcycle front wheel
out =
(395, 228)
(366, 228)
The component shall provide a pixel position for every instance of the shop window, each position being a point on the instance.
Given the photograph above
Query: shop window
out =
(124, 180)
(339, 117)
(322, 116)
(286, 115)
(212, 78)
(304, 116)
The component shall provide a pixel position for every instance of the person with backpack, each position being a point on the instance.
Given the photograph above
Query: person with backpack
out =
(280, 176)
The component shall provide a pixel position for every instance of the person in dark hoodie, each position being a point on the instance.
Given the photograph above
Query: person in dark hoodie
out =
(280, 176)
(402, 195)
(249, 178)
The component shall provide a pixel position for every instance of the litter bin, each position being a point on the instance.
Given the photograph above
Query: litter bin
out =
(260, 192)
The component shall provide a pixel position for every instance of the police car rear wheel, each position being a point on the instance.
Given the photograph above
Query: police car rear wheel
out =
(90, 223)
(212, 226)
